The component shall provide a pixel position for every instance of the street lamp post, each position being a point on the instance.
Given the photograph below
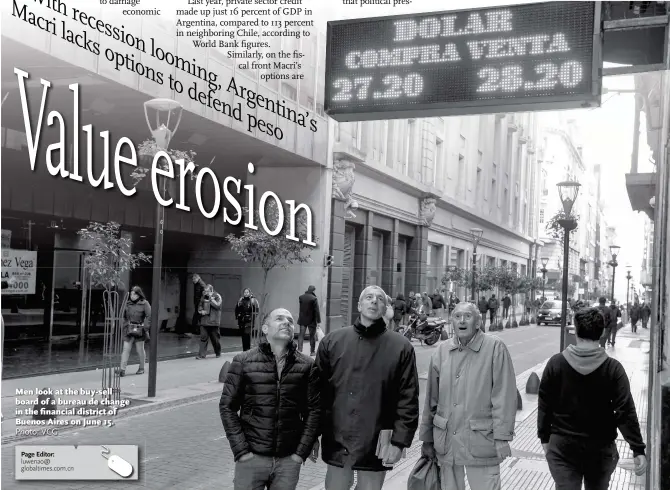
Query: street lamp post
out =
(628, 278)
(567, 191)
(162, 134)
(476, 236)
(545, 261)
(614, 250)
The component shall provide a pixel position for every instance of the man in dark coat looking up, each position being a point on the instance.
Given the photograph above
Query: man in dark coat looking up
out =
(369, 383)
(276, 428)
(309, 318)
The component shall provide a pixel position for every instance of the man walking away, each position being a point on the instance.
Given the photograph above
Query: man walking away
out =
(399, 310)
(210, 321)
(645, 313)
(198, 290)
(369, 384)
(308, 319)
(483, 306)
(493, 307)
(506, 304)
(468, 418)
(634, 316)
(584, 398)
(615, 314)
(438, 304)
(270, 409)
(607, 320)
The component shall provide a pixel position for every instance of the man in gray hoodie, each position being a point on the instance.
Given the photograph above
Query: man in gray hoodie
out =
(584, 398)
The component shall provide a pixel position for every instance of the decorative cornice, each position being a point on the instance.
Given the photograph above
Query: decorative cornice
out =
(512, 127)
(385, 210)
(464, 235)
(398, 181)
(523, 140)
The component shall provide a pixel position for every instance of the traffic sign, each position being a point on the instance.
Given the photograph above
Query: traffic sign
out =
(503, 59)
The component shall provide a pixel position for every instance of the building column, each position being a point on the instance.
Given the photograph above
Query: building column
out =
(334, 319)
(417, 258)
(389, 261)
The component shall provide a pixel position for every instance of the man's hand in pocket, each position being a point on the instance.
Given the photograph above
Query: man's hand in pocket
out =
(246, 457)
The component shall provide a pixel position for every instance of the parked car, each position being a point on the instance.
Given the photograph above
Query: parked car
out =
(550, 312)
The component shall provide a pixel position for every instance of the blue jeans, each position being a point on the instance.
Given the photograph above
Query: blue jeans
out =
(260, 472)
(342, 479)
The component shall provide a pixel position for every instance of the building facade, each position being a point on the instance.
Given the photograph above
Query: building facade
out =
(407, 192)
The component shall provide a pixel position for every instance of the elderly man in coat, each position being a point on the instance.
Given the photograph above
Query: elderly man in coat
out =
(468, 419)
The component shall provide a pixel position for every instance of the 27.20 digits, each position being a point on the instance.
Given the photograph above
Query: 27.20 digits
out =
(396, 86)
(511, 78)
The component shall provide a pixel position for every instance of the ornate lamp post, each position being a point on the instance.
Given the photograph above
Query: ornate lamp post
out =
(166, 111)
(614, 250)
(476, 236)
(545, 261)
(567, 191)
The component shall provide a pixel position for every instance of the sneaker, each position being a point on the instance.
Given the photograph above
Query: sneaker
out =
(140, 371)
(199, 357)
(121, 372)
(218, 355)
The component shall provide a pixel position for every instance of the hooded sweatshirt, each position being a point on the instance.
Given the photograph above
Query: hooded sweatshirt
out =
(585, 394)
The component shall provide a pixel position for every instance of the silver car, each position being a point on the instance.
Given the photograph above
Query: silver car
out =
(550, 312)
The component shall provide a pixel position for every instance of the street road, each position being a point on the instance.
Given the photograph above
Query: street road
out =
(185, 447)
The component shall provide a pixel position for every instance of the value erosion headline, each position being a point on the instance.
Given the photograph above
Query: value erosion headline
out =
(162, 166)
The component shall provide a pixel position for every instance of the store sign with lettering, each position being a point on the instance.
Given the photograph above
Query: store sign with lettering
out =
(19, 270)
(504, 59)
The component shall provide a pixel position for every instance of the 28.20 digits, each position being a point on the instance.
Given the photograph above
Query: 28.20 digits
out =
(506, 79)
(511, 78)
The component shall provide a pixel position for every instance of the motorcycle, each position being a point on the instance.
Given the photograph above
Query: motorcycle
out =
(424, 329)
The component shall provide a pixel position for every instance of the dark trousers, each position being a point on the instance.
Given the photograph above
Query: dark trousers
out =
(612, 336)
(492, 315)
(604, 338)
(573, 460)
(312, 337)
(505, 311)
(633, 324)
(245, 332)
(195, 321)
(208, 333)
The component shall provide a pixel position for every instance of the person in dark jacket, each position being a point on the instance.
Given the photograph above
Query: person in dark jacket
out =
(270, 408)
(584, 398)
(309, 318)
(615, 314)
(607, 320)
(210, 321)
(369, 383)
(198, 290)
(645, 313)
(483, 307)
(634, 316)
(493, 308)
(439, 305)
(137, 321)
(507, 302)
(399, 310)
(245, 313)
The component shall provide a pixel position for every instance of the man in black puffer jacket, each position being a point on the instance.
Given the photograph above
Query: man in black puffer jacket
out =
(275, 389)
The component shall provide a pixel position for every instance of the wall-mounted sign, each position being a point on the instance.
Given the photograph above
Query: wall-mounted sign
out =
(502, 59)
(19, 270)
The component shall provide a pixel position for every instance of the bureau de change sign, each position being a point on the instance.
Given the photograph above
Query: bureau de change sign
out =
(503, 59)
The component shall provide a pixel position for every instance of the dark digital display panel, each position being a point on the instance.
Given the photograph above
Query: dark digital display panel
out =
(502, 59)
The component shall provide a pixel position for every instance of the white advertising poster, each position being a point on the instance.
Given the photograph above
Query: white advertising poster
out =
(19, 269)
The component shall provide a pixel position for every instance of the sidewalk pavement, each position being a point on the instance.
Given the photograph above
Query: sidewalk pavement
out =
(178, 382)
(527, 468)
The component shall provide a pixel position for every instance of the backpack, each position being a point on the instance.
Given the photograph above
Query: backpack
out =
(606, 312)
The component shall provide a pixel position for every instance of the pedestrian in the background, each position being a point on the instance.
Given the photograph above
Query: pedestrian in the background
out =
(439, 305)
(493, 308)
(308, 319)
(198, 290)
(645, 313)
(210, 321)
(606, 313)
(528, 305)
(245, 313)
(506, 304)
(271, 431)
(634, 316)
(584, 398)
(615, 314)
(137, 321)
(426, 304)
(369, 384)
(399, 310)
(483, 307)
(470, 408)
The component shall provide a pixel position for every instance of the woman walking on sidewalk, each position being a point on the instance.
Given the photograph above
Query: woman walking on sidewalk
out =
(137, 320)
